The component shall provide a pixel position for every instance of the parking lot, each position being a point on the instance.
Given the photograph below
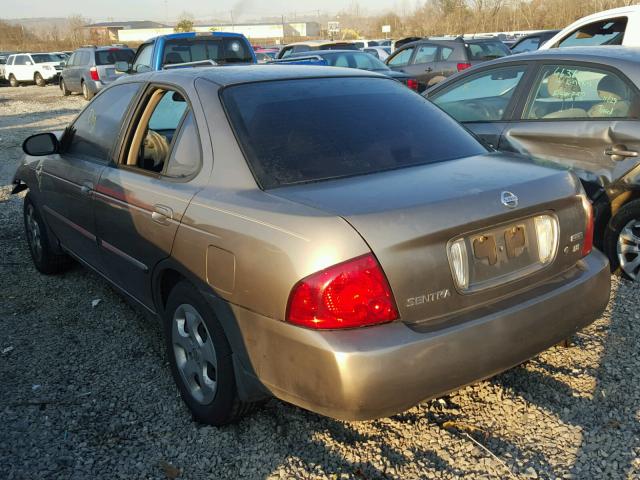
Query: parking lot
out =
(87, 391)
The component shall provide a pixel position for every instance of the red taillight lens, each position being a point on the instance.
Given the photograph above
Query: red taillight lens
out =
(412, 84)
(93, 73)
(463, 66)
(587, 245)
(348, 295)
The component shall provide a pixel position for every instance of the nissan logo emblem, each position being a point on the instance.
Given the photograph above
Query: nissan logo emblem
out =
(509, 199)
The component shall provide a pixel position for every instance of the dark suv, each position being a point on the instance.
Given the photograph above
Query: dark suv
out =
(91, 68)
(431, 60)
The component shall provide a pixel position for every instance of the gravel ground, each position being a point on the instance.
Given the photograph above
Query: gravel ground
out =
(86, 392)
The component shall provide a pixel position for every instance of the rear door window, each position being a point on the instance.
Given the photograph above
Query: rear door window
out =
(605, 32)
(426, 54)
(308, 130)
(579, 92)
(482, 97)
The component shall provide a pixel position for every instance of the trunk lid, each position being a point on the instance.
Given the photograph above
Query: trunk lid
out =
(409, 217)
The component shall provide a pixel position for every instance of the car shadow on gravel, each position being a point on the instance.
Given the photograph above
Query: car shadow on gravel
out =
(18, 120)
(606, 414)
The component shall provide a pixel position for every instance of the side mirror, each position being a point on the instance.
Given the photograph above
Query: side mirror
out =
(41, 144)
(122, 67)
(63, 63)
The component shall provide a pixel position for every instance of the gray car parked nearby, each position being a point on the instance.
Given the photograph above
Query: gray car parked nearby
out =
(91, 68)
(578, 107)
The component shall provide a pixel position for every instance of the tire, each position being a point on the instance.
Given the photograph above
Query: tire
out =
(45, 259)
(63, 88)
(86, 93)
(39, 80)
(200, 358)
(622, 241)
(13, 82)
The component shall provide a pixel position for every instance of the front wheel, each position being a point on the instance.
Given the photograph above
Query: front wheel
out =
(45, 259)
(63, 88)
(622, 241)
(39, 80)
(13, 82)
(200, 358)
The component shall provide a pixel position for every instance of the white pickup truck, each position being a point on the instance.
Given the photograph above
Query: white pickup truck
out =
(619, 26)
(41, 68)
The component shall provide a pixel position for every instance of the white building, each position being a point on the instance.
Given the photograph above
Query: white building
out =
(262, 31)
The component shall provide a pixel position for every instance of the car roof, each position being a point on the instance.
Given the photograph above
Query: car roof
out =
(325, 52)
(599, 54)
(233, 75)
(317, 43)
(171, 36)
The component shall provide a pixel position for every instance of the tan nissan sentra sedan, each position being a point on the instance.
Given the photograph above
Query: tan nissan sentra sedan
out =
(322, 235)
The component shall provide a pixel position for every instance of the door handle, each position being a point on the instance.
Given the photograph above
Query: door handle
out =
(161, 214)
(619, 153)
(429, 69)
(86, 188)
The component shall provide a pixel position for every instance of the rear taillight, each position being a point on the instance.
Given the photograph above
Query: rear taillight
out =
(93, 73)
(463, 66)
(348, 295)
(412, 84)
(587, 245)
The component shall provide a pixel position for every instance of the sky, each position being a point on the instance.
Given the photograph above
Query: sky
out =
(159, 10)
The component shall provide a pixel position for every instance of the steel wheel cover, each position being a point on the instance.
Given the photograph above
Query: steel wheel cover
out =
(628, 249)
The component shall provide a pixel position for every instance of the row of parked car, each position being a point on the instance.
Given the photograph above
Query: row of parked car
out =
(353, 249)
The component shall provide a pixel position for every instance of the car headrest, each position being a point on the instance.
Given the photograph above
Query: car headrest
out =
(173, 57)
(561, 85)
(612, 88)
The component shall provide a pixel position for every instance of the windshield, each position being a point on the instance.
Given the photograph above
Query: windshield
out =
(361, 60)
(44, 57)
(295, 131)
(109, 57)
(219, 49)
(487, 50)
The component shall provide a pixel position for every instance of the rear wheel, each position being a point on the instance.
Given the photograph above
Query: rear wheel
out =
(13, 82)
(45, 259)
(200, 358)
(39, 80)
(63, 88)
(86, 93)
(622, 241)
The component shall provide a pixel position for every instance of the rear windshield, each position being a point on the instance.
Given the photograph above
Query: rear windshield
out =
(109, 57)
(487, 50)
(44, 58)
(219, 49)
(296, 131)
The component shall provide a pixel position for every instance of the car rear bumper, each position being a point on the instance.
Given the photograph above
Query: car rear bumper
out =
(379, 371)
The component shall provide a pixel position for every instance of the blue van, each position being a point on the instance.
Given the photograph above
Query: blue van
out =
(191, 48)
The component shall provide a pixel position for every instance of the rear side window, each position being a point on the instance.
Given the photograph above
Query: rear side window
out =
(487, 51)
(109, 57)
(527, 45)
(426, 54)
(314, 129)
(221, 50)
(606, 32)
(95, 130)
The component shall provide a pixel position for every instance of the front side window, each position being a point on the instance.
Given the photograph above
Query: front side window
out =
(401, 58)
(606, 32)
(481, 97)
(94, 132)
(577, 92)
(158, 144)
(295, 131)
(426, 54)
(72, 60)
(11, 59)
(142, 62)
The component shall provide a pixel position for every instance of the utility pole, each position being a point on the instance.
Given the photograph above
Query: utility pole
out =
(166, 12)
(232, 24)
